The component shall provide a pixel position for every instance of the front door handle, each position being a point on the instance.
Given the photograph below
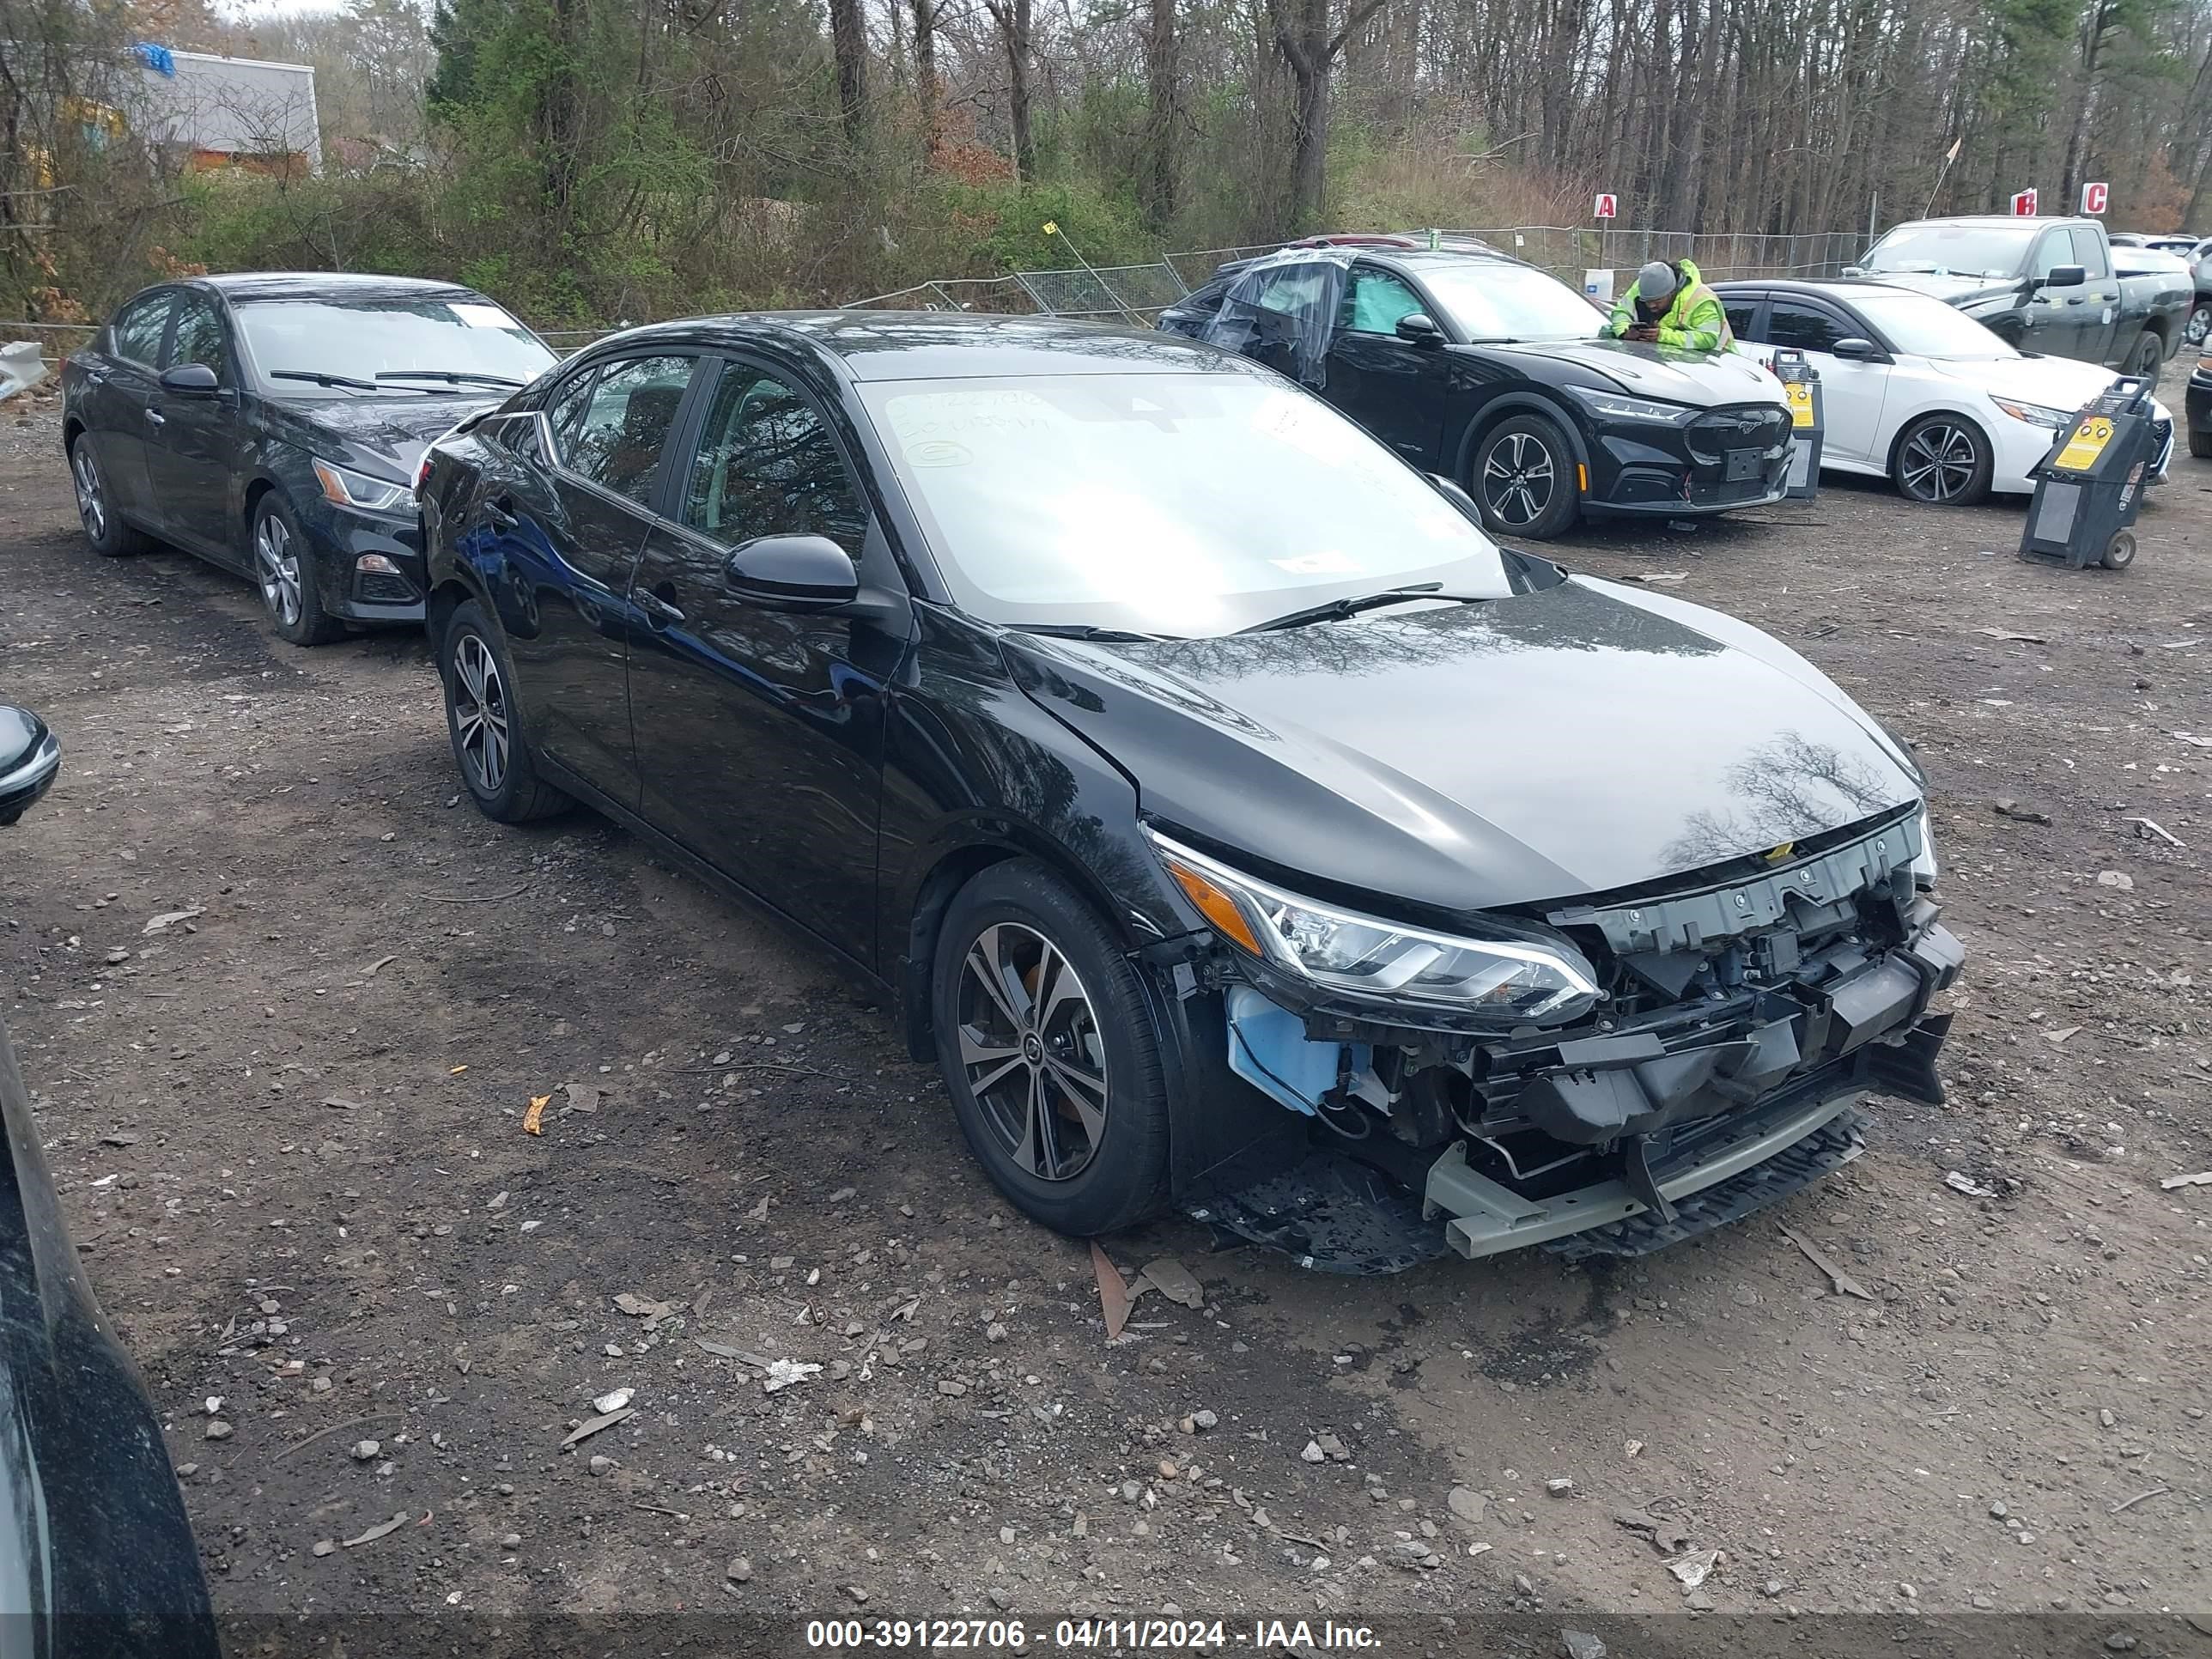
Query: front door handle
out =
(498, 514)
(657, 609)
(157, 417)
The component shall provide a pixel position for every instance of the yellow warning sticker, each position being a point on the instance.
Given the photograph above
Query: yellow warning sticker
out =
(2087, 444)
(1800, 393)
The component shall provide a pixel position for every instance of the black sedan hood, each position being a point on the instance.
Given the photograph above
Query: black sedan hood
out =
(383, 435)
(1552, 744)
(1701, 380)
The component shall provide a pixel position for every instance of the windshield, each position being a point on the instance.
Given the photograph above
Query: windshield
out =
(1493, 301)
(1191, 505)
(359, 340)
(1924, 326)
(1952, 249)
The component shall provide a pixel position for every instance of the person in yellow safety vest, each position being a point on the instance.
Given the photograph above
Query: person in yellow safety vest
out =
(1670, 304)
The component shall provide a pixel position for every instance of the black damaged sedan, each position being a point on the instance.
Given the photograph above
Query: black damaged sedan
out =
(1239, 828)
(272, 423)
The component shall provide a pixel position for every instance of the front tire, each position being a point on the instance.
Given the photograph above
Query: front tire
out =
(110, 536)
(1524, 478)
(489, 746)
(2200, 443)
(1943, 461)
(288, 575)
(1050, 1052)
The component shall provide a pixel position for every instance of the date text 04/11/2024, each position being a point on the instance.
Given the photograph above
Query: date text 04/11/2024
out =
(1167, 1635)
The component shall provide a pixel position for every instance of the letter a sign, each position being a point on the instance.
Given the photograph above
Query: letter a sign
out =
(1608, 207)
(2093, 197)
(2023, 205)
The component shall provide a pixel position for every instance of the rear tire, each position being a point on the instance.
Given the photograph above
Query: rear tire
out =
(1524, 477)
(1944, 461)
(2200, 442)
(490, 748)
(290, 575)
(2149, 356)
(1055, 1073)
(110, 536)
(2198, 328)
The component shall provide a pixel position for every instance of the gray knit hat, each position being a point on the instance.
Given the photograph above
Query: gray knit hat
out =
(1656, 281)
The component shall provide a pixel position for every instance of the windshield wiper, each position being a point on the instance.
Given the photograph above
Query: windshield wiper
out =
(452, 376)
(1335, 610)
(321, 379)
(1087, 631)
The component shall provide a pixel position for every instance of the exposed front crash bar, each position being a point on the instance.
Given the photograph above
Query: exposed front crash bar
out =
(1487, 1219)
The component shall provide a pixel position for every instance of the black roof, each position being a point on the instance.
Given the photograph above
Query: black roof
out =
(925, 345)
(337, 285)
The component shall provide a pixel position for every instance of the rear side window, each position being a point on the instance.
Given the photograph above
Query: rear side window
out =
(136, 333)
(2089, 252)
(1804, 327)
(199, 338)
(619, 439)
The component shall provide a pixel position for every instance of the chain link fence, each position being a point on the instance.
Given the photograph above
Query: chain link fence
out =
(1139, 293)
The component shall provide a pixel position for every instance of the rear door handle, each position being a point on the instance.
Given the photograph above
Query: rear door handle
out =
(499, 515)
(157, 417)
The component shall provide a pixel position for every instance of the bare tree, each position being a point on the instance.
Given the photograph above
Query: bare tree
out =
(1015, 37)
(1303, 36)
(1162, 116)
(848, 36)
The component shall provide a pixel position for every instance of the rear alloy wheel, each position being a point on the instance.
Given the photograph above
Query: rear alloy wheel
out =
(1524, 478)
(2150, 358)
(1049, 1047)
(284, 568)
(489, 746)
(2198, 328)
(1944, 460)
(109, 536)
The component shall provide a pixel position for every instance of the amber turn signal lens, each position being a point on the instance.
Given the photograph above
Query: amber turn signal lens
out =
(1215, 904)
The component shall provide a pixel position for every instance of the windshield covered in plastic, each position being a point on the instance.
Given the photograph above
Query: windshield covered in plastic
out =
(1924, 326)
(1944, 250)
(418, 345)
(1187, 505)
(1491, 301)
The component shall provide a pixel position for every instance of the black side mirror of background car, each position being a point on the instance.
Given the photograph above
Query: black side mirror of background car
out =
(193, 380)
(1853, 349)
(1419, 328)
(2066, 276)
(30, 756)
(792, 573)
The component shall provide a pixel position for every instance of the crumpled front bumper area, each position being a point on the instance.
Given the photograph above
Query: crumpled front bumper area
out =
(1746, 1022)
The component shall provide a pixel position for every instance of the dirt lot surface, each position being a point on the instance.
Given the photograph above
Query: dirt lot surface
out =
(288, 1131)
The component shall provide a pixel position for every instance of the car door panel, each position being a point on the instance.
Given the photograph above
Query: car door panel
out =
(124, 381)
(1389, 386)
(2099, 338)
(760, 731)
(191, 445)
(566, 531)
(1852, 394)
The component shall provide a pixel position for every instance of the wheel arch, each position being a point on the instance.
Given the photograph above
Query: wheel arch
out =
(1503, 408)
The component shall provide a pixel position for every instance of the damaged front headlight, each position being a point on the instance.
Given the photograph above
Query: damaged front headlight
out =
(1924, 862)
(1511, 977)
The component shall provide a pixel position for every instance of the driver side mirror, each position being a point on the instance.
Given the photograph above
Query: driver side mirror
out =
(30, 756)
(193, 380)
(2066, 276)
(1419, 328)
(1853, 349)
(792, 573)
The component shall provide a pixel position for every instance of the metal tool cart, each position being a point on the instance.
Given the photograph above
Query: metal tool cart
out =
(2089, 487)
(1801, 384)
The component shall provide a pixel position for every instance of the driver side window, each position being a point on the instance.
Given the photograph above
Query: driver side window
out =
(766, 465)
(1375, 302)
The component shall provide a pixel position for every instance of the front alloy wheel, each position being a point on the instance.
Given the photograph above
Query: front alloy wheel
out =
(276, 563)
(91, 501)
(2198, 328)
(1034, 1055)
(1518, 477)
(1050, 1050)
(1944, 462)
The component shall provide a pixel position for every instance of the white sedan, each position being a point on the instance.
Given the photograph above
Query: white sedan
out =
(1916, 391)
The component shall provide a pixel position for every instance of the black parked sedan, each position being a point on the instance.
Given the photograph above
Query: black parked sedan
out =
(97, 1560)
(1234, 822)
(1493, 372)
(272, 424)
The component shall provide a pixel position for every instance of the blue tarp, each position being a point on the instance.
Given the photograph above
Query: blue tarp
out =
(157, 58)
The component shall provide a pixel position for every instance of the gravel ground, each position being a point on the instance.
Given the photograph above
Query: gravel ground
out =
(289, 1134)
